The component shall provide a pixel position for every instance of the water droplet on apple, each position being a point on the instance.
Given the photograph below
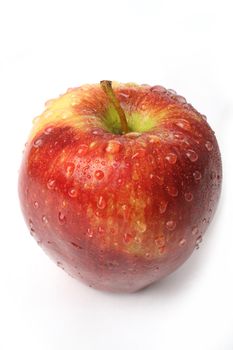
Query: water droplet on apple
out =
(141, 226)
(162, 250)
(37, 143)
(173, 92)
(133, 134)
(123, 94)
(82, 150)
(183, 124)
(69, 169)
(72, 192)
(90, 233)
(198, 241)
(209, 146)
(36, 205)
(188, 196)
(163, 206)
(97, 132)
(51, 184)
(180, 99)
(204, 116)
(127, 237)
(195, 231)
(76, 245)
(31, 223)
(171, 158)
(48, 130)
(182, 242)
(192, 155)
(61, 218)
(101, 204)
(113, 147)
(158, 88)
(159, 179)
(197, 175)
(137, 239)
(172, 191)
(99, 174)
(213, 175)
(50, 102)
(45, 219)
(171, 225)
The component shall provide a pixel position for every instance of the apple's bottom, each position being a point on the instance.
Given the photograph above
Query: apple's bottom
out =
(118, 272)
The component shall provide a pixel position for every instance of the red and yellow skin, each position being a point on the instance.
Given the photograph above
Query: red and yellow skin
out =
(119, 211)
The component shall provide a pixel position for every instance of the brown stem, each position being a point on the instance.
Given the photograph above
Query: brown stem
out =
(107, 87)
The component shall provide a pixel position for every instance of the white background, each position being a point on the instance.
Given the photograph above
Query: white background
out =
(48, 46)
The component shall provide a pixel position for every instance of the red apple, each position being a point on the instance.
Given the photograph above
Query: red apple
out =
(118, 185)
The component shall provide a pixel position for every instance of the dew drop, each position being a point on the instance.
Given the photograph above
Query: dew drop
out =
(141, 226)
(197, 175)
(171, 158)
(173, 92)
(51, 184)
(192, 155)
(123, 94)
(158, 88)
(96, 132)
(99, 174)
(44, 219)
(213, 175)
(69, 169)
(97, 213)
(147, 255)
(188, 196)
(171, 225)
(113, 147)
(37, 143)
(172, 191)
(162, 250)
(61, 218)
(48, 130)
(101, 204)
(182, 242)
(163, 207)
(198, 241)
(72, 192)
(195, 231)
(133, 134)
(209, 146)
(159, 179)
(89, 233)
(101, 230)
(50, 102)
(30, 223)
(180, 99)
(137, 239)
(76, 245)
(183, 124)
(82, 150)
(127, 237)
(36, 205)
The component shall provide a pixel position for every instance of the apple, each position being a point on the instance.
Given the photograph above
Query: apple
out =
(119, 183)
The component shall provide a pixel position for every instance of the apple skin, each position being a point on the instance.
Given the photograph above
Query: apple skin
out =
(120, 211)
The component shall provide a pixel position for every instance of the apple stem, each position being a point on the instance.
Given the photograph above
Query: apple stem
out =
(107, 87)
